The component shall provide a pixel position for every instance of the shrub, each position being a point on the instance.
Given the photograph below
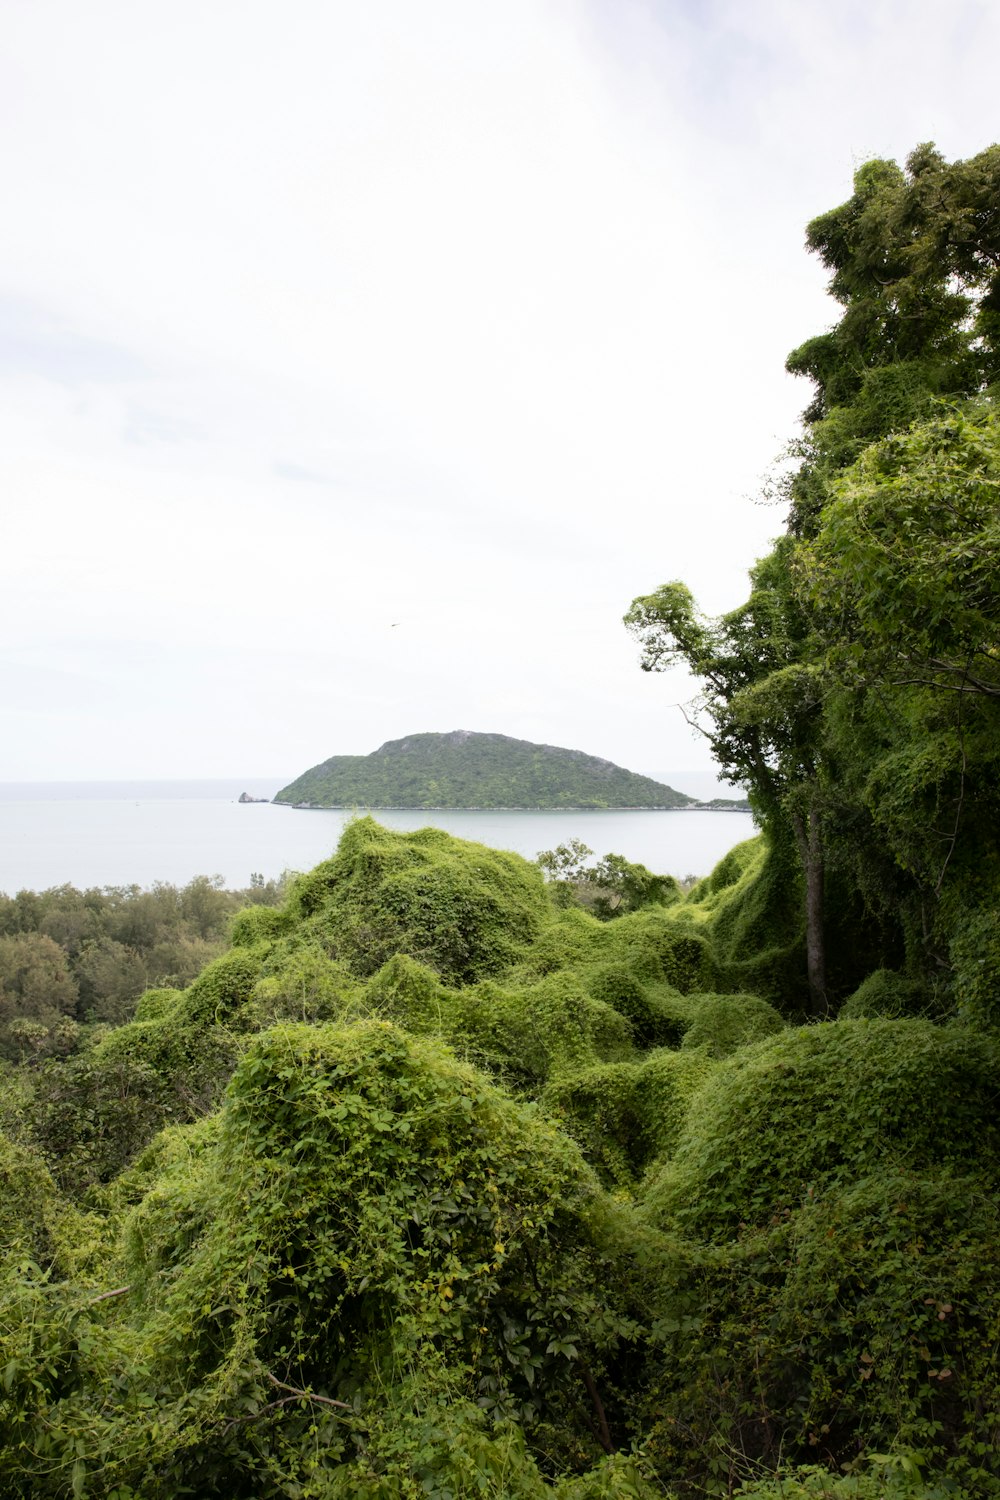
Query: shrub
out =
(867, 1320)
(888, 994)
(462, 909)
(724, 1023)
(369, 1220)
(822, 1103)
(975, 956)
(652, 1014)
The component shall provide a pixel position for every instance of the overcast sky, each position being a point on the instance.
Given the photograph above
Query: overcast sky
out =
(359, 362)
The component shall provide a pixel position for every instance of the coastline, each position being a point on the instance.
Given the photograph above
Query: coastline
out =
(736, 807)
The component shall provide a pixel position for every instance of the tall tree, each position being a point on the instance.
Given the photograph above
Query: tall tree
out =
(902, 568)
(914, 258)
(760, 710)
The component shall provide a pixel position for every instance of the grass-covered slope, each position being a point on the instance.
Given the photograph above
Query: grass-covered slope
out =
(435, 1186)
(462, 769)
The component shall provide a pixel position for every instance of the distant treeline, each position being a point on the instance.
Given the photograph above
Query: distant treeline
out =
(71, 958)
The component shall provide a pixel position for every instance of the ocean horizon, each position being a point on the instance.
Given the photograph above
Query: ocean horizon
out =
(138, 832)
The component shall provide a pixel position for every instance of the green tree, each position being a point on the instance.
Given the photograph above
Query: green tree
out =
(904, 569)
(914, 258)
(899, 588)
(760, 709)
(37, 994)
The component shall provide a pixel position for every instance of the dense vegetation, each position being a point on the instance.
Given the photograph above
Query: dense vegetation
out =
(449, 1180)
(73, 960)
(462, 769)
(436, 1184)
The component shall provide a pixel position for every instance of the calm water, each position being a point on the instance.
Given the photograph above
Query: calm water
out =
(133, 833)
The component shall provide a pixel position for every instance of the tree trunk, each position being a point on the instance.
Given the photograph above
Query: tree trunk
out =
(810, 844)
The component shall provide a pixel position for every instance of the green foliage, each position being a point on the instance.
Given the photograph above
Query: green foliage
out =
(462, 769)
(818, 1104)
(730, 869)
(152, 1004)
(533, 1187)
(627, 1115)
(657, 947)
(370, 1221)
(27, 1194)
(464, 910)
(975, 954)
(862, 1320)
(37, 997)
(90, 1115)
(537, 1032)
(927, 610)
(753, 907)
(893, 1476)
(300, 982)
(763, 690)
(914, 262)
(259, 924)
(71, 958)
(722, 1024)
(887, 994)
(610, 888)
(652, 1010)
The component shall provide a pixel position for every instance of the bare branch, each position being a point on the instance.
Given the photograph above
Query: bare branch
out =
(295, 1390)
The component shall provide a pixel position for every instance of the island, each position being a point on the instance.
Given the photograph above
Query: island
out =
(463, 769)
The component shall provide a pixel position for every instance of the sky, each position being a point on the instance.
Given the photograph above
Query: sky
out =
(360, 363)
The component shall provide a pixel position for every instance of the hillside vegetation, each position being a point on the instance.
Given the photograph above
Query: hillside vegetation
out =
(449, 1180)
(462, 769)
(434, 1184)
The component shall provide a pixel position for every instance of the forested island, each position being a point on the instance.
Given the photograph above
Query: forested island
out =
(465, 769)
(456, 1175)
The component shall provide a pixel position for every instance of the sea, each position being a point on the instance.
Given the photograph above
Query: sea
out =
(123, 833)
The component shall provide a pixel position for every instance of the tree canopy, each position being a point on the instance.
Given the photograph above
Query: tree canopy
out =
(854, 691)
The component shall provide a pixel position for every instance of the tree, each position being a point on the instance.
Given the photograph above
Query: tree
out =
(915, 262)
(762, 698)
(611, 888)
(905, 565)
(37, 995)
(841, 692)
(902, 578)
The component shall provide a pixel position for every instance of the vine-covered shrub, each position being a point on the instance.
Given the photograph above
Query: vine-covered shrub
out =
(865, 1319)
(464, 910)
(741, 863)
(90, 1115)
(626, 1115)
(27, 1196)
(652, 1010)
(152, 1004)
(657, 947)
(888, 994)
(724, 1023)
(819, 1104)
(369, 1220)
(300, 982)
(525, 1035)
(757, 927)
(975, 956)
